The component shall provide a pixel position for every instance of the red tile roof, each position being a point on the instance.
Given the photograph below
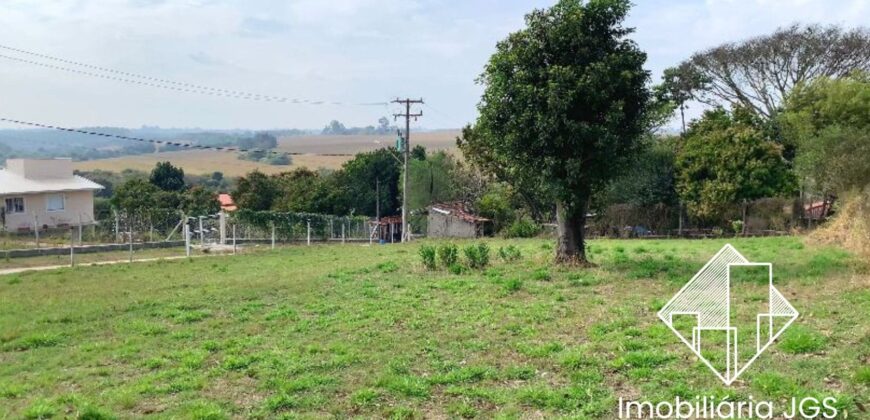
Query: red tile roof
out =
(459, 210)
(227, 202)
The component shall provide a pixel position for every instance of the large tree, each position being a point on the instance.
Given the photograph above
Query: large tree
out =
(563, 108)
(829, 119)
(167, 177)
(299, 190)
(679, 85)
(758, 73)
(367, 183)
(255, 191)
(136, 197)
(727, 161)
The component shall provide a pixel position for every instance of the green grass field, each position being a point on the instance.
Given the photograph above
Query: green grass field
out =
(350, 330)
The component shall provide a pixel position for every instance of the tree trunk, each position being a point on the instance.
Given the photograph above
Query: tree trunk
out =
(683, 117)
(571, 223)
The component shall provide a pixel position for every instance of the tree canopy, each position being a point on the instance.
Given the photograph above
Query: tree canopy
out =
(830, 121)
(725, 161)
(167, 177)
(759, 73)
(564, 105)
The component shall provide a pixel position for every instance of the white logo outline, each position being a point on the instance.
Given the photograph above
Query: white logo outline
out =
(708, 296)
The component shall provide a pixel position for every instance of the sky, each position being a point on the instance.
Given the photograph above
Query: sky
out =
(350, 51)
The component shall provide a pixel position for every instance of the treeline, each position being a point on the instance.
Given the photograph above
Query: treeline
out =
(53, 143)
(165, 188)
(263, 144)
(336, 128)
(787, 129)
(364, 185)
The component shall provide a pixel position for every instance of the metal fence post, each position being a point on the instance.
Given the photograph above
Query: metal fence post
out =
(234, 239)
(186, 231)
(130, 233)
(309, 232)
(117, 227)
(342, 232)
(201, 232)
(273, 235)
(36, 228)
(72, 247)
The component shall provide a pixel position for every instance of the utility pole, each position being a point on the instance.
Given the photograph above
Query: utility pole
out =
(406, 146)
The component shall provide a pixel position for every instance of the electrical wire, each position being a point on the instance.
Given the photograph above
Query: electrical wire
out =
(443, 116)
(169, 143)
(165, 83)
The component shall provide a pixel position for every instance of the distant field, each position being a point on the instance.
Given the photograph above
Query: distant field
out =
(207, 161)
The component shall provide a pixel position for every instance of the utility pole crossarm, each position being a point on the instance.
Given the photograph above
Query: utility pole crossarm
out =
(406, 235)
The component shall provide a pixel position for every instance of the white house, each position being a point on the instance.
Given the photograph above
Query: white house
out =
(44, 193)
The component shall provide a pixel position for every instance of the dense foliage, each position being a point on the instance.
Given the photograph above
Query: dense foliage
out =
(164, 189)
(366, 184)
(563, 108)
(830, 121)
(726, 160)
(167, 177)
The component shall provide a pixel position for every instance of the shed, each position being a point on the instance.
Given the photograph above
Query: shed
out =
(454, 220)
(227, 203)
(389, 229)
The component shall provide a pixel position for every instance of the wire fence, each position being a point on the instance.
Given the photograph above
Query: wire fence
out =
(763, 217)
(167, 233)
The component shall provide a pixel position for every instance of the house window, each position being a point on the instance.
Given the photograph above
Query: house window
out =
(15, 205)
(54, 202)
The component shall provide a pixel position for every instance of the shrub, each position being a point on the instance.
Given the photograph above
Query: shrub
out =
(477, 256)
(542, 274)
(513, 285)
(801, 340)
(522, 228)
(427, 254)
(456, 268)
(737, 226)
(509, 253)
(448, 254)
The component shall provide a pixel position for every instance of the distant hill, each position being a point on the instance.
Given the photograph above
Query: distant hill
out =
(202, 162)
(48, 143)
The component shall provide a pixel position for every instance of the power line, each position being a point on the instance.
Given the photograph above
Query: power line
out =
(124, 73)
(406, 146)
(445, 118)
(168, 143)
(165, 83)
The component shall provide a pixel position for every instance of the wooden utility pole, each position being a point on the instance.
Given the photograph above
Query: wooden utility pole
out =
(406, 151)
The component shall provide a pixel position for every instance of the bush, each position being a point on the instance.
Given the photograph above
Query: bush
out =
(427, 254)
(509, 253)
(802, 340)
(513, 285)
(477, 256)
(737, 226)
(448, 254)
(522, 228)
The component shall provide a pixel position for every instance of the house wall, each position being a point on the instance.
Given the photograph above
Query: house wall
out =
(41, 168)
(449, 226)
(77, 204)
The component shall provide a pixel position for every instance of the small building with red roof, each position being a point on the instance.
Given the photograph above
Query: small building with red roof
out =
(227, 203)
